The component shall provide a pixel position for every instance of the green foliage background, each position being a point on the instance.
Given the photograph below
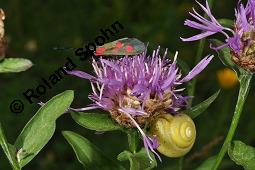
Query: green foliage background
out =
(46, 24)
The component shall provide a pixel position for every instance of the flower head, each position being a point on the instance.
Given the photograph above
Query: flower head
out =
(240, 40)
(136, 89)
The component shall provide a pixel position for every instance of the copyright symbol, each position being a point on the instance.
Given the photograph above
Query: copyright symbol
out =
(16, 106)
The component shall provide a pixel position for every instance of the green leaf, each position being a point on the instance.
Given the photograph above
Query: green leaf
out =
(201, 107)
(8, 149)
(242, 154)
(96, 121)
(133, 139)
(139, 160)
(88, 154)
(39, 130)
(207, 164)
(12, 65)
(224, 54)
(226, 22)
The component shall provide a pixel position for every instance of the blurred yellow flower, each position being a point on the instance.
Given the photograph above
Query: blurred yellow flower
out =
(227, 78)
(31, 45)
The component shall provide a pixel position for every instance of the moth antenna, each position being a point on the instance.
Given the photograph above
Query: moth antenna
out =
(63, 48)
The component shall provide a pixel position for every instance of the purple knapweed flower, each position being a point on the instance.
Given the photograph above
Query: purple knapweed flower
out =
(134, 89)
(240, 40)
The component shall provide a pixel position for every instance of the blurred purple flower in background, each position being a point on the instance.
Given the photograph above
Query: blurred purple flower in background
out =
(135, 89)
(240, 40)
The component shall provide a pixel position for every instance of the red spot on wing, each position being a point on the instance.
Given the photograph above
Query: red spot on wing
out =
(119, 45)
(100, 51)
(129, 48)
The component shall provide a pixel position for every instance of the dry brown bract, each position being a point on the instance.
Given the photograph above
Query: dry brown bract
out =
(3, 41)
(246, 59)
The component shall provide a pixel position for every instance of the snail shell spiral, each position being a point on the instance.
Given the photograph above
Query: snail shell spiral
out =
(176, 134)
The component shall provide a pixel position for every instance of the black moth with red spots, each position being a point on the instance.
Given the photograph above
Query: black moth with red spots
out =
(121, 47)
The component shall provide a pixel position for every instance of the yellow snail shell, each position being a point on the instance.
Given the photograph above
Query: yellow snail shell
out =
(176, 134)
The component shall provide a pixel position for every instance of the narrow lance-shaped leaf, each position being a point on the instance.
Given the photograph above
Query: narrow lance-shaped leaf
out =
(139, 160)
(88, 154)
(201, 107)
(242, 154)
(12, 65)
(8, 149)
(96, 121)
(39, 130)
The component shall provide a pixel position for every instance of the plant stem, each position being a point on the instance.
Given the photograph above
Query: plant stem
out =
(191, 90)
(181, 163)
(245, 79)
(200, 49)
(16, 168)
(8, 150)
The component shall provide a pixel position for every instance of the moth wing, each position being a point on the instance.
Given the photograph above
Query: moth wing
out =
(132, 46)
(129, 46)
